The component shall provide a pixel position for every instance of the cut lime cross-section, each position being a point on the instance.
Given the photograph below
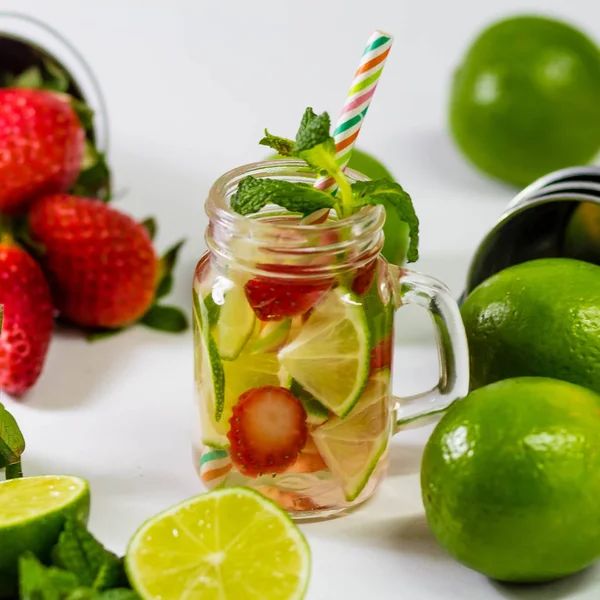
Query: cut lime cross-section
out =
(329, 357)
(33, 512)
(229, 544)
(352, 447)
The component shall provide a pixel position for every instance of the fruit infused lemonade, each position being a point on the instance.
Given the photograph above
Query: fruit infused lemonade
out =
(293, 318)
(292, 368)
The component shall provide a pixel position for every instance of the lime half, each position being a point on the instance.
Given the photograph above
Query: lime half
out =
(352, 447)
(329, 357)
(33, 511)
(230, 544)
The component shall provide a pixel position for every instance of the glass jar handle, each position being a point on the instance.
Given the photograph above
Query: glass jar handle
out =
(434, 296)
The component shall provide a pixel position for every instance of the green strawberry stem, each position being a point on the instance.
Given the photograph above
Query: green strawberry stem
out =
(14, 471)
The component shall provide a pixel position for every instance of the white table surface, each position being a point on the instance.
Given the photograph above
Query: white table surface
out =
(189, 86)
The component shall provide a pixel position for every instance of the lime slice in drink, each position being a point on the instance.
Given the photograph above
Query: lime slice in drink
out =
(330, 356)
(229, 543)
(316, 413)
(351, 447)
(271, 337)
(33, 512)
(210, 367)
(234, 325)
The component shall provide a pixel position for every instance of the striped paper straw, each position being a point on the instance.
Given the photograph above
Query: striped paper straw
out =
(357, 102)
(214, 467)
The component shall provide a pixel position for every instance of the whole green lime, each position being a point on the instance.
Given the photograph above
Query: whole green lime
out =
(582, 236)
(511, 479)
(538, 318)
(526, 99)
(363, 163)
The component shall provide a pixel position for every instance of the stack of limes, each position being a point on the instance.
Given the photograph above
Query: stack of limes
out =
(511, 474)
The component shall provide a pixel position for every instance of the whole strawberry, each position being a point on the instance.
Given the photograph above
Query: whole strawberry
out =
(41, 146)
(28, 319)
(100, 262)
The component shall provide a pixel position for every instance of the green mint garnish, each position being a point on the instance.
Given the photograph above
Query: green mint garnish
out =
(399, 209)
(253, 194)
(37, 582)
(283, 146)
(315, 145)
(80, 553)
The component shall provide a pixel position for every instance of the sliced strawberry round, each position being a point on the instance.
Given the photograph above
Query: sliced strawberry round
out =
(381, 354)
(273, 299)
(268, 430)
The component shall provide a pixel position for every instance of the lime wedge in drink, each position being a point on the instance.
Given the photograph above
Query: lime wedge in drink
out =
(329, 357)
(271, 337)
(33, 511)
(231, 543)
(234, 325)
(351, 447)
(316, 413)
(210, 366)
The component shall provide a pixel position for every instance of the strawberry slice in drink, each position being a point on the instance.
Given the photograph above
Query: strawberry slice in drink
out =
(381, 354)
(275, 298)
(268, 430)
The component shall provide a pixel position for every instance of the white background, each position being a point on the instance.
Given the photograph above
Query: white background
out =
(190, 85)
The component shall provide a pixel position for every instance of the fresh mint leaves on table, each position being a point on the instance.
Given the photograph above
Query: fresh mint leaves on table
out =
(315, 145)
(83, 570)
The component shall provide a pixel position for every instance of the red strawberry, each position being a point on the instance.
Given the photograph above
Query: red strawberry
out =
(268, 430)
(382, 353)
(41, 146)
(100, 262)
(273, 299)
(28, 320)
(364, 278)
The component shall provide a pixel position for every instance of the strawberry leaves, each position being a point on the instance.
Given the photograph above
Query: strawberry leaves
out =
(169, 319)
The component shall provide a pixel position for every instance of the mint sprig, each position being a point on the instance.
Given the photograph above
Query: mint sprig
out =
(399, 209)
(315, 145)
(79, 552)
(83, 570)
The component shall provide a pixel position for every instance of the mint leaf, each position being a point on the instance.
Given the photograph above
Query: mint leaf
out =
(79, 552)
(213, 310)
(313, 131)
(315, 146)
(399, 209)
(37, 582)
(284, 146)
(165, 318)
(12, 443)
(253, 194)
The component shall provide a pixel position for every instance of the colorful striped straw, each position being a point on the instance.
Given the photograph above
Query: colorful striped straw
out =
(357, 102)
(214, 467)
